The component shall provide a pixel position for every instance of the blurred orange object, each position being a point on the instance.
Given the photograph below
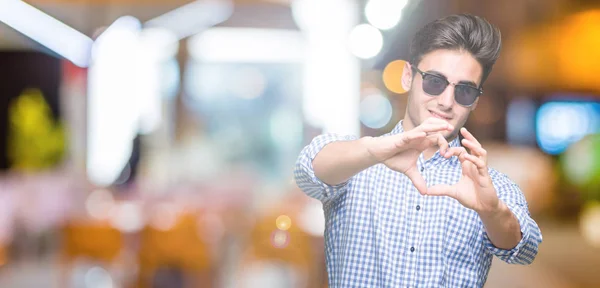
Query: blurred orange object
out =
(179, 246)
(277, 238)
(96, 240)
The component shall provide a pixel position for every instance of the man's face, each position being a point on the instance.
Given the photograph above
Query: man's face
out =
(457, 67)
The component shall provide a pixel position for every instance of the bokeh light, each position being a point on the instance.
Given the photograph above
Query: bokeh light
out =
(164, 216)
(590, 223)
(98, 277)
(280, 239)
(283, 222)
(99, 204)
(384, 14)
(392, 76)
(127, 217)
(375, 111)
(365, 41)
(559, 124)
(581, 165)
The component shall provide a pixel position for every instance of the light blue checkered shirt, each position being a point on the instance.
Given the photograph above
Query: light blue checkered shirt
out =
(381, 232)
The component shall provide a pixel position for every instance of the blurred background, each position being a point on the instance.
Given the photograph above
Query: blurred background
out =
(150, 143)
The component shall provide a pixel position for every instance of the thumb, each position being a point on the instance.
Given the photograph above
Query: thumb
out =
(441, 190)
(417, 180)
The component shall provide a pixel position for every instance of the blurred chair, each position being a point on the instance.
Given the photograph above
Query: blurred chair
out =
(95, 241)
(176, 256)
(277, 245)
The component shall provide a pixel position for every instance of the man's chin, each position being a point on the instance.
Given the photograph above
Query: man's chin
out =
(450, 135)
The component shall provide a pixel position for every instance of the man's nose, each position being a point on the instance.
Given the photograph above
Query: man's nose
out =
(446, 99)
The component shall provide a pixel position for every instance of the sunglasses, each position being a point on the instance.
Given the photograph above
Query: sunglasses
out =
(464, 94)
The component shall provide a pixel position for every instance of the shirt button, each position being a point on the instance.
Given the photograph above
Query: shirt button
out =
(418, 207)
(412, 249)
(422, 168)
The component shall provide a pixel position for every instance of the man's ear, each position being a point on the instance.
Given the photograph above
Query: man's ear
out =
(407, 77)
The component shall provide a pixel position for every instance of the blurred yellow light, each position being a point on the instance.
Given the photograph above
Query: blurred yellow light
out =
(577, 49)
(280, 239)
(571, 62)
(589, 223)
(283, 222)
(392, 76)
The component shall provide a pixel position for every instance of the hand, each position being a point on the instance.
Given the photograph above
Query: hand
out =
(400, 152)
(474, 190)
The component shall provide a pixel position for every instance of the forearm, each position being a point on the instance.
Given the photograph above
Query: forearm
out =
(339, 161)
(502, 227)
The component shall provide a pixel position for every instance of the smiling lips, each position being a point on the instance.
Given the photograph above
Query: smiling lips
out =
(441, 116)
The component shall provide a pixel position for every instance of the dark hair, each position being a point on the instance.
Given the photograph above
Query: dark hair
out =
(459, 32)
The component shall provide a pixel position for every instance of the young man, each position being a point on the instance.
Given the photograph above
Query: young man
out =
(413, 208)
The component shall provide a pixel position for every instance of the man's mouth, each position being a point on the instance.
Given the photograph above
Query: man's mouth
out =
(441, 116)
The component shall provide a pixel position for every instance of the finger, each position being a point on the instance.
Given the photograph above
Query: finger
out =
(469, 136)
(478, 162)
(442, 143)
(402, 139)
(412, 135)
(455, 151)
(442, 190)
(475, 148)
(417, 180)
(434, 120)
(435, 127)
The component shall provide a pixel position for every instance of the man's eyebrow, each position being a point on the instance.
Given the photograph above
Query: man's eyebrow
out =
(467, 82)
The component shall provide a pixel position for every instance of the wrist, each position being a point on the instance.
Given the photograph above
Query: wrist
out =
(366, 143)
(494, 211)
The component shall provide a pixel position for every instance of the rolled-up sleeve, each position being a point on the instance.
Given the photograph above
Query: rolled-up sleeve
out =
(304, 173)
(526, 250)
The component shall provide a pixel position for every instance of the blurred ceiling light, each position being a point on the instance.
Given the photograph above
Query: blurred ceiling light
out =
(113, 115)
(384, 14)
(321, 15)
(160, 44)
(375, 111)
(365, 41)
(259, 45)
(194, 17)
(331, 73)
(46, 30)
(392, 76)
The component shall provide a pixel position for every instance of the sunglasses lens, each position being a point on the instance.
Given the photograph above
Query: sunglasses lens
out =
(465, 94)
(433, 85)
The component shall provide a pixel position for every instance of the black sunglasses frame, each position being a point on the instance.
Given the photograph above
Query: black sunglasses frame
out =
(423, 74)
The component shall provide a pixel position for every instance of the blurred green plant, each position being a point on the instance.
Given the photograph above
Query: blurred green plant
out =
(35, 140)
(580, 165)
